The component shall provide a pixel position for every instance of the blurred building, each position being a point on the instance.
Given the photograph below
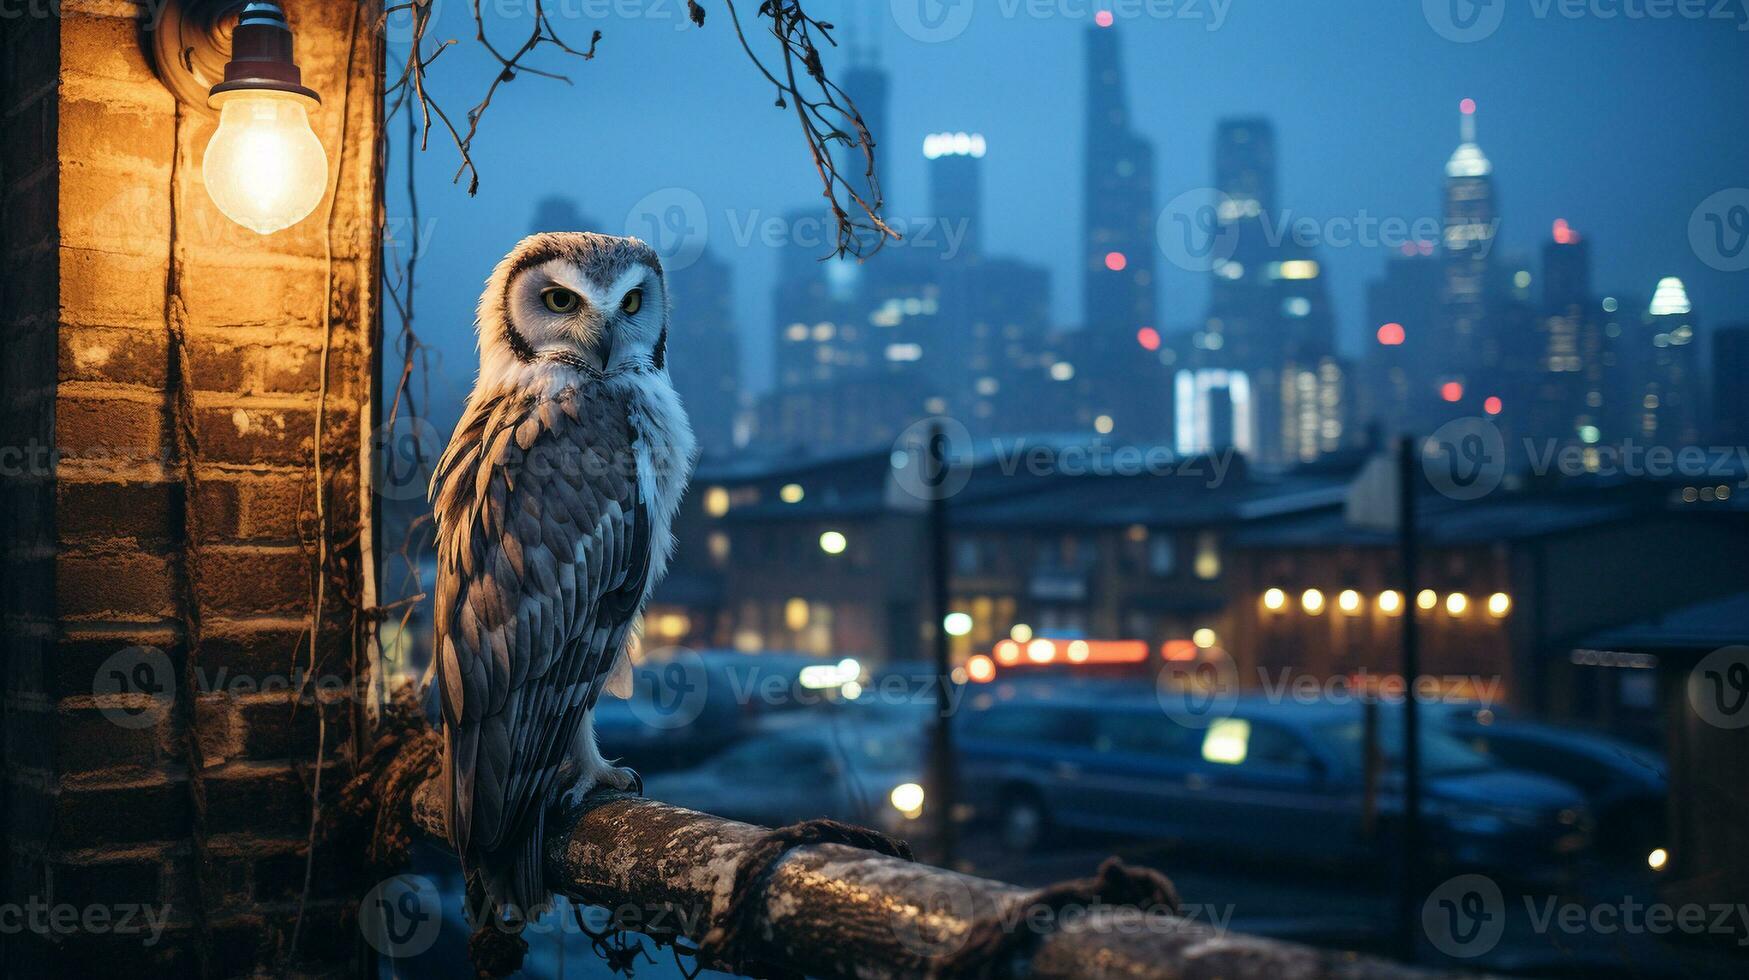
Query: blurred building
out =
(1655, 672)
(1508, 583)
(706, 368)
(933, 326)
(1567, 390)
(1269, 315)
(1398, 393)
(1121, 384)
(1191, 557)
(1463, 349)
(1731, 385)
(1662, 369)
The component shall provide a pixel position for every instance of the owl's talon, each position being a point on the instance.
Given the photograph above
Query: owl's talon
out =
(625, 779)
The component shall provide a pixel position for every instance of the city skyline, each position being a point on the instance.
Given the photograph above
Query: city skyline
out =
(1548, 152)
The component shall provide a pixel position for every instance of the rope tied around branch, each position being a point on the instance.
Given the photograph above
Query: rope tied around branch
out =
(992, 949)
(406, 753)
(725, 943)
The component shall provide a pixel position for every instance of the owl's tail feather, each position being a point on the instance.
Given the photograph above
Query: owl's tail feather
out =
(515, 876)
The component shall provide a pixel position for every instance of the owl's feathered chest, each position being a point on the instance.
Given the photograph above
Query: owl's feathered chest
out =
(581, 447)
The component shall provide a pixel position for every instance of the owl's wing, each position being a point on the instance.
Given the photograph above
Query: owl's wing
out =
(543, 560)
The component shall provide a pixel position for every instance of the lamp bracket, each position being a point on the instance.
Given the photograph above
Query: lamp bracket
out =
(203, 48)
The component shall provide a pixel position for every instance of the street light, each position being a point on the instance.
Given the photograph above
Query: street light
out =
(264, 167)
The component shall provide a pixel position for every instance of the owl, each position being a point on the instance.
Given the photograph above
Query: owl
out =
(554, 506)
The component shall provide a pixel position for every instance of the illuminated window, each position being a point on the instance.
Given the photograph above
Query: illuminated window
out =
(833, 542)
(1208, 557)
(795, 614)
(791, 493)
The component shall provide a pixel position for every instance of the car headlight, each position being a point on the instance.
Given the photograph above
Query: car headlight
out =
(907, 798)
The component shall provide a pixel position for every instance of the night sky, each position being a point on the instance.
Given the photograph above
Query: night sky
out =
(1622, 125)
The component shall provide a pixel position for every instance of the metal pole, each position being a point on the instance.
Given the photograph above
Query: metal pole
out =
(1408, 460)
(939, 800)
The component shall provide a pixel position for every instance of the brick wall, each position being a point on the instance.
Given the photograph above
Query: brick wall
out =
(112, 690)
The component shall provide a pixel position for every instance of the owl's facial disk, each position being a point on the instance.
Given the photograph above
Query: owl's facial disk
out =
(607, 327)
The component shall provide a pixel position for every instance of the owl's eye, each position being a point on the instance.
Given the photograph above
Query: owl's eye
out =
(633, 302)
(560, 300)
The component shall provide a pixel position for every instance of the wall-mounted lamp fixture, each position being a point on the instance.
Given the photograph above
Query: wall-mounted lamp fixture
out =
(264, 168)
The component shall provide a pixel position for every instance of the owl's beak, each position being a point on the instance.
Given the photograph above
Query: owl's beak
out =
(604, 346)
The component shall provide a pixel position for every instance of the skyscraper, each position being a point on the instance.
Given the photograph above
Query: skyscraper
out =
(866, 84)
(1662, 360)
(707, 372)
(1566, 386)
(956, 191)
(1471, 221)
(1404, 316)
(1120, 380)
(1730, 390)
(1269, 312)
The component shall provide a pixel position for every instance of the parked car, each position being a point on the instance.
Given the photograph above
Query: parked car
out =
(686, 706)
(867, 775)
(1279, 781)
(1626, 786)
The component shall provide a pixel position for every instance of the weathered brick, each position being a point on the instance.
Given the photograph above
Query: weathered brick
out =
(122, 585)
(257, 433)
(110, 289)
(104, 207)
(87, 816)
(145, 512)
(105, 47)
(82, 652)
(253, 648)
(262, 801)
(254, 580)
(282, 729)
(282, 294)
(116, 135)
(89, 740)
(120, 355)
(93, 427)
(273, 509)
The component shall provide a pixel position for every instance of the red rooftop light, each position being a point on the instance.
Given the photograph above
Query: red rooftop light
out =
(1493, 405)
(1103, 18)
(1467, 107)
(1115, 261)
(1391, 334)
(1564, 233)
(1451, 391)
(1149, 338)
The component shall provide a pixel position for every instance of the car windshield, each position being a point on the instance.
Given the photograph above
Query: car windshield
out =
(1441, 755)
(883, 747)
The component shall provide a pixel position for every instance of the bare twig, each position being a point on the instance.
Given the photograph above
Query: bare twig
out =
(831, 125)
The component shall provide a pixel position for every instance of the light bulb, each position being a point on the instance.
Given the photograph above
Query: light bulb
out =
(265, 168)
